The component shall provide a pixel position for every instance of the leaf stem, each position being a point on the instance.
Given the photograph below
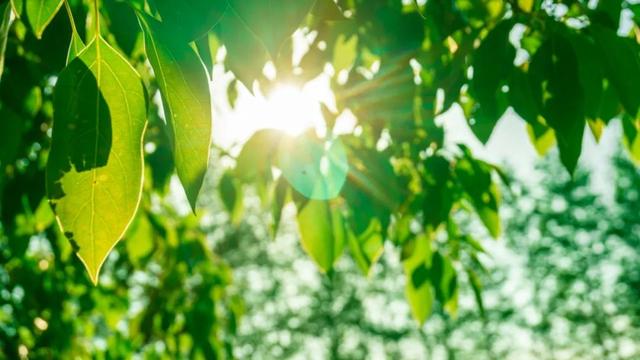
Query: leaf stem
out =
(70, 14)
(97, 16)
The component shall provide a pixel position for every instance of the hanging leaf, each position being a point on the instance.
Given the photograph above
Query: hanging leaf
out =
(231, 195)
(184, 86)
(281, 192)
(94, 171)
(314, 167)
(240, 41)
(418, 287)
(40, 13)
(322, 231)
(492, 63)
(475, 178)
(5, 24)
(272, 22)
(622, 66)
(190, 19)
(556, 85)
(367, 247)
(258, 155)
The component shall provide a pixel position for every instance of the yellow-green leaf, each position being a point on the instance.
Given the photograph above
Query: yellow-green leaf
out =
(184, 85)
(322, 232)
(418, 287)
(17, 6)
(40, 14)
(95, 168)
(76, 46)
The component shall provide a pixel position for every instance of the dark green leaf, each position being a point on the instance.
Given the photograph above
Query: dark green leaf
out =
(190, 19)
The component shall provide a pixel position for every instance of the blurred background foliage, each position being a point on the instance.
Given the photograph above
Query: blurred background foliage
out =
(414, 216)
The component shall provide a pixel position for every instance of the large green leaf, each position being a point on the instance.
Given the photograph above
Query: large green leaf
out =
(314, 167)
(95, 168)
(184, 86)
(492, 63)
(622, 66)
(190, 19)
(367, 247)
(5, 24)
(322, 232)
(557, 86)
(246, 56)
(40, 13)
(272, 21)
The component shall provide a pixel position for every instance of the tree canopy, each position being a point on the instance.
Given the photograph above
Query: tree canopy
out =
(102, 101)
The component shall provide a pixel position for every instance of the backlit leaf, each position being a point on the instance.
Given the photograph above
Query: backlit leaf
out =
(94, 173)
(184, 86)
(272, 22)
(240, 41)
(40, 13)
(418, 287)
(322, 232)
(314, 167)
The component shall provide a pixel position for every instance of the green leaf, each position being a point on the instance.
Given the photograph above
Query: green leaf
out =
(622, 66)
(557, 86)
(327, 10)
(5, 24)
(277, 204)
(314, 167)
(418, 287)
(367, 247)
(231, 195)
(139, 241)
(476, 286)
(190, 19)
(492, 63)
(17, 6)
(240, 41)
(94, 171)
(76, 46)
(184, 86)
(437, 191)
(475, 178)
(272, 22)
(345, 53)
(40, 13)
(258, 155)
(322, 232)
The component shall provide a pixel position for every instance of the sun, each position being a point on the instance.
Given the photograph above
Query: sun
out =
(288, 108)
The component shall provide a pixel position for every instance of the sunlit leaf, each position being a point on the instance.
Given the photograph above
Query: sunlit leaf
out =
(184, 85)
(314, 167)
(322, 232)
(94, 173)
(76, 46)
(367, 247)
(40, 13)
(418, 288)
